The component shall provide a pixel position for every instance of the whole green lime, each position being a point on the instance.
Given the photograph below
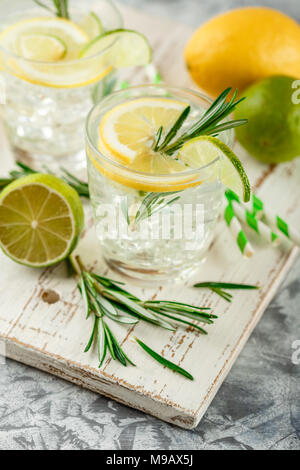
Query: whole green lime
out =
(272, 108)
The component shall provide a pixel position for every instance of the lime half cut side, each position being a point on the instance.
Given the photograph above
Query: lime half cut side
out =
(203, 150)
(124, 48)
(41, 218)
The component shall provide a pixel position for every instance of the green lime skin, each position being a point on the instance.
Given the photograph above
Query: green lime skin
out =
(66, 192)
(272, 107)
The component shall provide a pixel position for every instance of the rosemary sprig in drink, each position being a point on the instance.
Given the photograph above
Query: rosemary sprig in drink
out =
(61, 8)
(154, 202)
(218, 288)
(209, 124)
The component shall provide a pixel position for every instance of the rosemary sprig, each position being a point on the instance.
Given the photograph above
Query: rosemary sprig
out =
(158, 137)
(61, 8)
(209, 124)
(153, 203)
(23, 170)
(105, 298)
(173, 131)
(218, 288)
(163, 361)
(80, 186)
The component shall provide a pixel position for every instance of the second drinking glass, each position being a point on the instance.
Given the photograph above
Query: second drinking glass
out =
(47, 88)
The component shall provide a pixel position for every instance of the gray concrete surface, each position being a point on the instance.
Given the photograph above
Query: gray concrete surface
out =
(258, 406)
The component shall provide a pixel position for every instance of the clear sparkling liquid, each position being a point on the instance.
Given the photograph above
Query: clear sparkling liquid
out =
(46, 124)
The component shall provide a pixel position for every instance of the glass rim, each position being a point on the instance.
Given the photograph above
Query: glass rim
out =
(119, 165)
(69, 62)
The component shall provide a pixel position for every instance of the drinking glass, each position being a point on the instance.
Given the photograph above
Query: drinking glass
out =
(170, 242)
(45, 106)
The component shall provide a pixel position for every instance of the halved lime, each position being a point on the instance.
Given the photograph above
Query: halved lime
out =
(124, 48)
(204, 149)
(41, 218)
(43, 47)
(92, 25)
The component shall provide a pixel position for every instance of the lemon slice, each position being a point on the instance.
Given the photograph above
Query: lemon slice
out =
(125, 48)
(65, 30)
(92, 25)
(128, 130)
(69, 71)
(152, 164)
(202, 150)
(41, 219)
(42, 47)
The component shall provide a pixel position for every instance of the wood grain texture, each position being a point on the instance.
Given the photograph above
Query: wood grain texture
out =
(52, 337)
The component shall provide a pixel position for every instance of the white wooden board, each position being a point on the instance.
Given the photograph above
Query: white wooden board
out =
(52, 337)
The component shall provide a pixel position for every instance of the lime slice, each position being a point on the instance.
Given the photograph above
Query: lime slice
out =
(41, 218)
(44, 47)
(92, 25)
(125, 48)
(202, 150)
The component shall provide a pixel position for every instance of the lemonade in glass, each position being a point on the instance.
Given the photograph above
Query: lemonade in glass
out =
(156, 206)
(50, 78)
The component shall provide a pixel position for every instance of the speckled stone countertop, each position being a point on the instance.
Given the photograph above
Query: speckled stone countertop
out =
(258, 406)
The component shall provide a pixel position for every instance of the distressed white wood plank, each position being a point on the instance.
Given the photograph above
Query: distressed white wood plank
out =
(52, 337)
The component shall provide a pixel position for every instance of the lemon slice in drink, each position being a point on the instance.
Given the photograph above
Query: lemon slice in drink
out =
(124, 48)
(126, 136)
(42, 47)
(92, 25)
(202, 150)
(129, 129)
(41, 218)
(73, 37)
(67, 71)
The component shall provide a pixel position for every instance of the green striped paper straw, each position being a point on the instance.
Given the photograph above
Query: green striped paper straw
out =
(273, 219)
(237, 232)
(255, 224)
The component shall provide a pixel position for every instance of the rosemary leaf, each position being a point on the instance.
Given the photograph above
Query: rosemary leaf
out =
(109, 341)
(107, 306)
(180, 320)
(158, 137)
(118, 350)
(222, 294)
(179, 305)
(5, 182)
(163, 361)
(153, 203)
(41, 4)
(174, 129)
(101, 341)
(84, 294)
(210, 123)
(226, 285)
(89, 345)
(137, 309)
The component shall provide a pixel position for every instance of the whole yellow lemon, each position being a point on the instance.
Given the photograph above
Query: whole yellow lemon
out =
(242, 46)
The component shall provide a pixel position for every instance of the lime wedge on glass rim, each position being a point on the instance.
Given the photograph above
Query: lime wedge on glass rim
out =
(202, 150)
(41, 219)
(125, 48)
(92, 25)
